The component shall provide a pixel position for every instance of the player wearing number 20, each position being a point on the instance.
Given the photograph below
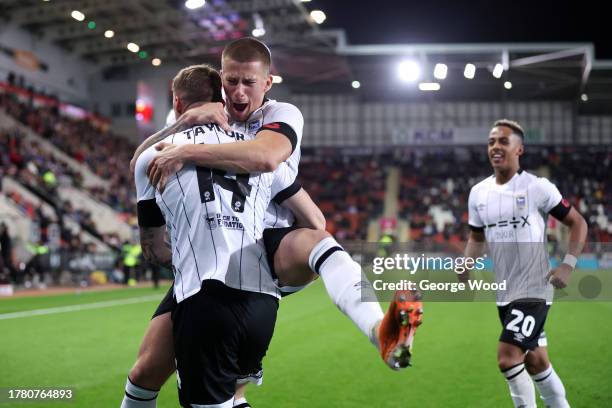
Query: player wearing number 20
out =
(509, 210)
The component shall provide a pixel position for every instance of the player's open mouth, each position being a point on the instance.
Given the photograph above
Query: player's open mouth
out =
(497, 157)
(240, 106)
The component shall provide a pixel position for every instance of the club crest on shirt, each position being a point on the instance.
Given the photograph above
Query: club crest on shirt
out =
(211, 222)
(253, 126)
(521, 201)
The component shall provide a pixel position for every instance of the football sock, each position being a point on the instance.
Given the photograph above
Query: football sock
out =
(138, 397)
(241, 403)
(521, 387)
(551, 388)
(343, 280)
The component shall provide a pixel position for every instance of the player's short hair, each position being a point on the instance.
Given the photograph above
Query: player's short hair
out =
(248, 49)
(198, 83)
(516, 128)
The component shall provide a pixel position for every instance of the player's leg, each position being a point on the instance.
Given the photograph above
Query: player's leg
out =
(302, 254)
(522, 323)
(155, 362)
(214, 349)
(240, 397)
(304, 251)
(510, 359)
(547, 381)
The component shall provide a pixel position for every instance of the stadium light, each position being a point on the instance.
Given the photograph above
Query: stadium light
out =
(584, 97)
(429, 86)
(277, 79)
(469, 71)
(508, 85)
(408, 71)
(440, 71)
(356, 84)
(305, 1)
(156, 62)
(259, 30)
(194, 4)
(109, 33)
(133, 47)
(318, 16)
(498, 71)
(77, 15)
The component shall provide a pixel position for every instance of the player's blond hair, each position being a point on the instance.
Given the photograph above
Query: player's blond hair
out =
(515, 126)
(197, 83)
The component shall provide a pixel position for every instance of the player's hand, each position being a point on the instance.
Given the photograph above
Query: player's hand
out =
(560, 276)
(207, 113)
(168, 161)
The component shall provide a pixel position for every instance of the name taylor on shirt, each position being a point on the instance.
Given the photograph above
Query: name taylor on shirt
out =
(201, 130)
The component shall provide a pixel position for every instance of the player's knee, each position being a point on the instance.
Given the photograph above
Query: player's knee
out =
(536, 364)
(296, 247)
(314, 237)
(506, 362)
(150, 373)
(508, 357)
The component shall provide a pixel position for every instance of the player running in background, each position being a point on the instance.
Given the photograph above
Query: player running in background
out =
(508, 211)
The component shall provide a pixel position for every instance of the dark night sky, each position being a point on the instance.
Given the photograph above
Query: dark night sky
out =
(438, 21)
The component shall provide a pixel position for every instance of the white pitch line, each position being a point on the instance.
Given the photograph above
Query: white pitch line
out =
(76, 308)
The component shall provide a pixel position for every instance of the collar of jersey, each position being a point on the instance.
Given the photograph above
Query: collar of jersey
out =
(507, 183)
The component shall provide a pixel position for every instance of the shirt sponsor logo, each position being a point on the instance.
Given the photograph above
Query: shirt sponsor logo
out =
(253, 126)
(230, 222)
(519, 337)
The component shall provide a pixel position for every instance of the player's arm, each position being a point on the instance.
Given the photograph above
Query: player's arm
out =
(212, 112)
(560, 276)
(155, 247)
(151, 224)
(474, 248)
(278, 137)
(306, 212)
(260, 155)
(151, 221)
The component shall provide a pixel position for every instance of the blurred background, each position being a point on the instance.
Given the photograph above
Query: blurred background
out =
(398, 99)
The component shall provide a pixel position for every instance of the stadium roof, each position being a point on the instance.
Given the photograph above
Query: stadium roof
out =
(311, 59)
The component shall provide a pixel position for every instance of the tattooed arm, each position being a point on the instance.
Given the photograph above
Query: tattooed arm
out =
(154, 246)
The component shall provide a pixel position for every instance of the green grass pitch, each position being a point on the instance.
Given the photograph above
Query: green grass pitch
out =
(317, 357)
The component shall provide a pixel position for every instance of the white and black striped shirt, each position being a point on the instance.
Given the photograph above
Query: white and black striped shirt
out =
(513, 217)
(215, 219)
(272, 112)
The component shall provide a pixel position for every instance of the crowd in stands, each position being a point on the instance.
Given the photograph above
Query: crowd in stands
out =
(350, 190)
(435, 185)
(105, 154)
